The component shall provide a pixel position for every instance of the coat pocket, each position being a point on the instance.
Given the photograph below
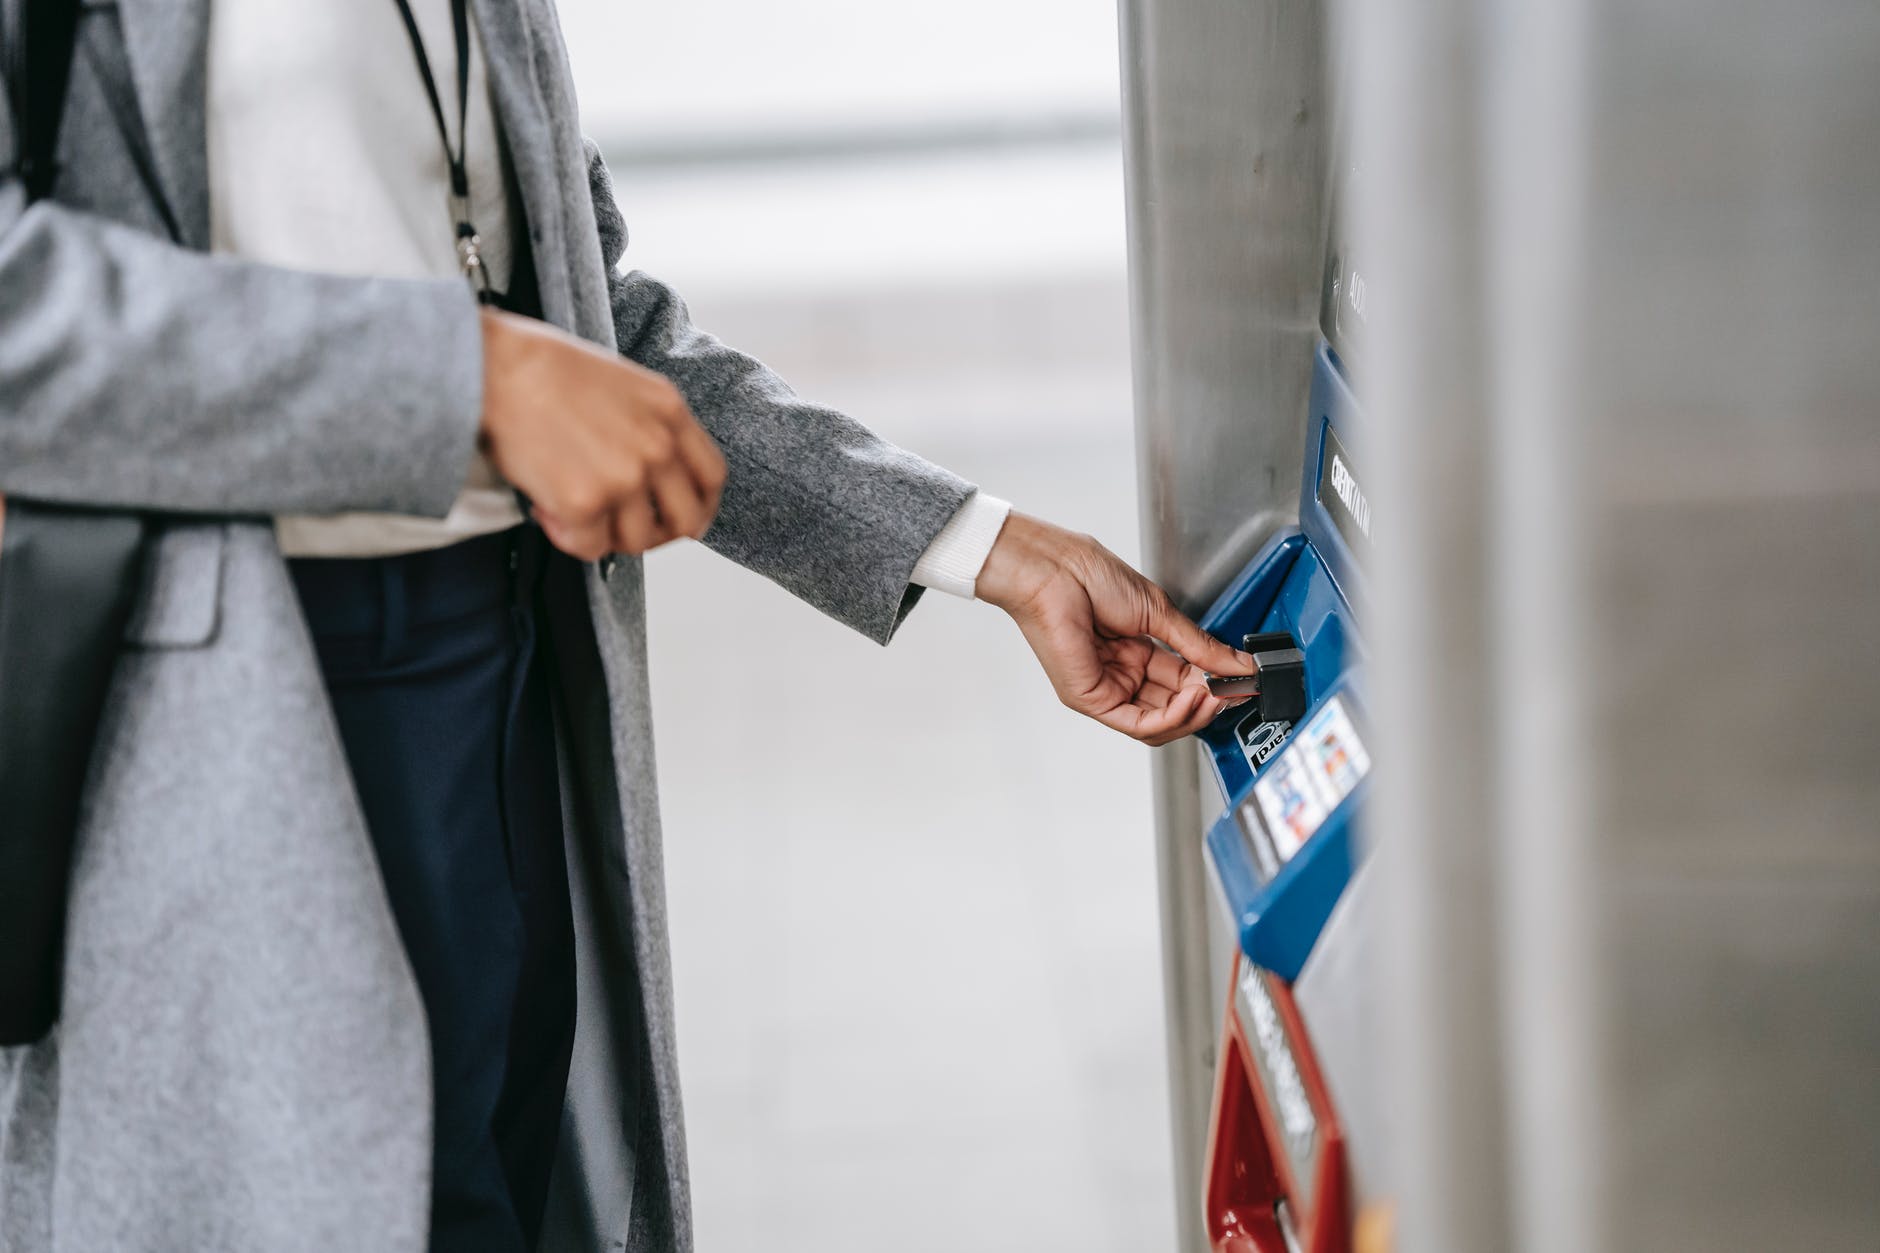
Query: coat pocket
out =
(179, 604)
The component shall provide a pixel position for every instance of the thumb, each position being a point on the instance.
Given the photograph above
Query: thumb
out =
(1172, 627)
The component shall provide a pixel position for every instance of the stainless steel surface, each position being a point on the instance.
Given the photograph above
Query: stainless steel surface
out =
(1337, 995)
(1190, 983)
(1626, 445)
(1225, 131)
(1740, 890)
(1416, 130)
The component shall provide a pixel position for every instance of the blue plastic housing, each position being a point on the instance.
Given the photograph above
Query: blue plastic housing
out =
(1302, 582)
(1286, 588)
(1279, 920)
(1333, 407)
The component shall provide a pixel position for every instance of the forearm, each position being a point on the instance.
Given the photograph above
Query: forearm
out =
(137, 374)
(814, 500)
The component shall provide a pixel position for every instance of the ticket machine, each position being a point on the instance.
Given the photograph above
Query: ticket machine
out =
(1283, 851)
(1279, 1176)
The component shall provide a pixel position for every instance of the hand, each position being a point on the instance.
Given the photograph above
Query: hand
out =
(1094, 623)
(608, 453)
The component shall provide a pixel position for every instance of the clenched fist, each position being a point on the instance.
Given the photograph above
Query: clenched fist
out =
(608, 452)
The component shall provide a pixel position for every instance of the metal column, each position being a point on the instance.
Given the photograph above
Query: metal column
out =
(1625, 618)
(1225, 139)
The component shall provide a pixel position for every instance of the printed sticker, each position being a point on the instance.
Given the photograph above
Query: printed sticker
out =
(1290, 803)
(1337, 753)
(1321, 766)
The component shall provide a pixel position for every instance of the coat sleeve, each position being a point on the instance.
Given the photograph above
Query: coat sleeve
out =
(138, 374)
(813, 499)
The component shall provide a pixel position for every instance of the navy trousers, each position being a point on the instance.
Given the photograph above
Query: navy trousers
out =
(435, 664)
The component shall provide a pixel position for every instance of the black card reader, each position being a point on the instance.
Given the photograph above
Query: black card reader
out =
(1278, 682)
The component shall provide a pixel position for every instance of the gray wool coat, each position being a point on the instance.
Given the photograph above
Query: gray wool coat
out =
(242, 1062)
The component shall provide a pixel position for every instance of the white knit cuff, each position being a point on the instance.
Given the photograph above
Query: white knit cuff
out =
(953, 561)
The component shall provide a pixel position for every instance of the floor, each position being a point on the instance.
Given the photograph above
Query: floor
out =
(913, 898)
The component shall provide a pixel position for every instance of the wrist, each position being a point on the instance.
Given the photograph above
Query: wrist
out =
(507, 347)
(1024, 559)
(495, 338)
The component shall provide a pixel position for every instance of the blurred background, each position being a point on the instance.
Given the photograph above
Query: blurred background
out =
(917, 976)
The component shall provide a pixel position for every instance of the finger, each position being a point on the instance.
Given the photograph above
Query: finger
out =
(1171, 671)
(1206, 710)
(1195, 676)
(1153, 695)
(1214, 706)
(707, 466)
(681, 507)
(636, 528)
(1156, 726)
(1184, 715)
(1134, 651)
(589, 542)
(1173, 628)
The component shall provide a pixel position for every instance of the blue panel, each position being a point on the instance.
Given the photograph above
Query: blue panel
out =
(1286, 588)
(1242, 607)
(1333, 408)
(1305, 583)
(1278, 920)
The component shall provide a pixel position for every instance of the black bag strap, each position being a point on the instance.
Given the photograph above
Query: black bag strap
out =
(39, 73)
(44, 43)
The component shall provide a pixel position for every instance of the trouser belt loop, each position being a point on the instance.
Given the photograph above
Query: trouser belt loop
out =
(393, 612)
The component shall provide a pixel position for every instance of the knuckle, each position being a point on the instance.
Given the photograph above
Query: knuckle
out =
(584, 500)
(671, 400)
(679, 521)
(660, 444)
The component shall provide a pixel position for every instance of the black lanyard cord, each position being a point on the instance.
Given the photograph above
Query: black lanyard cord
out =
(469, 246)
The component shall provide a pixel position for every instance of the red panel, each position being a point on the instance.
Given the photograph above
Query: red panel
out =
(1247, 1170)
(1241, 1185)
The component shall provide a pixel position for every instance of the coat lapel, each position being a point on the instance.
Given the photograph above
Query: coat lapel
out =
(533, 146)
(166, 43)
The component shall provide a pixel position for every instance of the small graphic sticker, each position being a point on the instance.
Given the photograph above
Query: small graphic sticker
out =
(1337, 753)
(1320, 767)
(1261, 740)
(1290, 803)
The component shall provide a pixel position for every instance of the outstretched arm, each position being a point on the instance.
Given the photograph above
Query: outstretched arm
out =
(843, 519)
(813, 499)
